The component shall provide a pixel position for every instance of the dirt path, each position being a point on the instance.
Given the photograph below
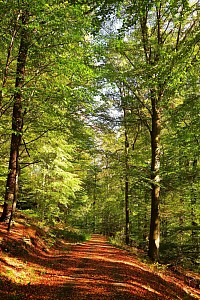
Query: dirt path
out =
(92, 270)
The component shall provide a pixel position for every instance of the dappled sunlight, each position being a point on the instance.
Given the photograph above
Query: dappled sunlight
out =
(90, 270)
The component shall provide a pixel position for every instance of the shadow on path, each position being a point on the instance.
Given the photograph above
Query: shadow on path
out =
(96, 270)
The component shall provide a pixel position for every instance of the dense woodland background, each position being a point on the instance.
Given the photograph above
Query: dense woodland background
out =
(99, 107)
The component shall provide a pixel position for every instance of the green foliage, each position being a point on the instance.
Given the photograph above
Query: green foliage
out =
(71, 235)
(91, 71)
(57, 97)
(155, 53)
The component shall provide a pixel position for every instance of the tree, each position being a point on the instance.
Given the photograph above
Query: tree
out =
(45, 44)
(180, 175)
(157, 45)
(17, 118)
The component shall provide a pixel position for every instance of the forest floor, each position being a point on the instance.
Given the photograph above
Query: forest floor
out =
(31, 269)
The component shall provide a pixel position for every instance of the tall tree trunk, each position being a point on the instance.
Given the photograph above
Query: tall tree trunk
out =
(127, 225)
(154, 237)
(14, 204)
(126, 192)
(94, 203)
(17, 120)
(194, 197)
(5, 73)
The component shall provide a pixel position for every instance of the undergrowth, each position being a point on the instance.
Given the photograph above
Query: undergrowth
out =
(58, 230)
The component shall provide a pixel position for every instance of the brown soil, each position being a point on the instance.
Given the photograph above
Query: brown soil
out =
(91, 270)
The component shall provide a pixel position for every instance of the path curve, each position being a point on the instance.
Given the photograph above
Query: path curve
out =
(102, 271)
(92, 270)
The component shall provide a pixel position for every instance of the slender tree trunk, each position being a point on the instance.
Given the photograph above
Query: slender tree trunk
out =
(127, 225)
(94, 204)
(14, 204)
(126, 193)
(10, 48)
(17, 121)
(154, 237)
(194, 197)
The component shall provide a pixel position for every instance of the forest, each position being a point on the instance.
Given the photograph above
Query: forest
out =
(99, 120)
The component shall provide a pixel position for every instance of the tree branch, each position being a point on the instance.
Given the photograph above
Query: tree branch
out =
(28, 164)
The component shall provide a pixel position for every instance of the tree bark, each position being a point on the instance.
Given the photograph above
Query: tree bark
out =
(10, 48)
(127, 225)
(94, 204)
(14, 204)
(126, 192)
(154, 237)
(17, 120)
(194, 197)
